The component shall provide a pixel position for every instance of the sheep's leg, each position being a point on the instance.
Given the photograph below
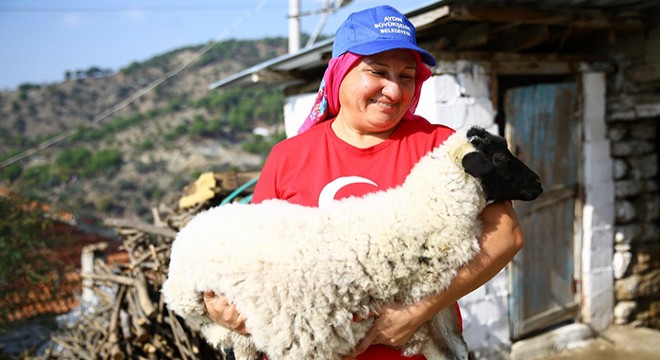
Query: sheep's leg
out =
(446, 337)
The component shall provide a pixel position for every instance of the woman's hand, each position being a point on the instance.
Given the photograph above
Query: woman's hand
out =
(223, 313)
(393, 326)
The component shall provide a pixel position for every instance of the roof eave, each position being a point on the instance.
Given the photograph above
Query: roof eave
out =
(274, 70)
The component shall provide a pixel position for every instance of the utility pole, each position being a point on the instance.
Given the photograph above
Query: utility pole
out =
(294, 26)
(295, 16)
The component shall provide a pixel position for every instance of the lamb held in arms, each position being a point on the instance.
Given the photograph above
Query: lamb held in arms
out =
(300, 274)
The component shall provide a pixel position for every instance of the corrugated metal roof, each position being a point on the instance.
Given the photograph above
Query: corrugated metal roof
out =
(301, 60)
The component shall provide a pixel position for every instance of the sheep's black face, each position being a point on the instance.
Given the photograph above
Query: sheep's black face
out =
(503, 176)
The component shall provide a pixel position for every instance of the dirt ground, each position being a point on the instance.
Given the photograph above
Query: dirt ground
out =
(616, 343)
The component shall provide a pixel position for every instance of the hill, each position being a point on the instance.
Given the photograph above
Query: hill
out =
(119, 157)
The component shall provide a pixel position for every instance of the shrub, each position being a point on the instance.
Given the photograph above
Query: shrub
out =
(146, 144)
(178, 131)
(69, 160)
(103, 203)
(104, 161)
(42, 176)
(199, 126)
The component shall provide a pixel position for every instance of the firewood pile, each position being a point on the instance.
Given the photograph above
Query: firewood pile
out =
(127, 318)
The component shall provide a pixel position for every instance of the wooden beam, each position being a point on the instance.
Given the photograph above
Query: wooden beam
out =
(473, 37)
(524, 38)
(436, 44)
(490, 56)
(504, 63)
(429, 18)
(646, 73)
(592, 19)
(534, 68)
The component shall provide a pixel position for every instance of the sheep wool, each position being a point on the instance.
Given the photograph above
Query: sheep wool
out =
(300, 274)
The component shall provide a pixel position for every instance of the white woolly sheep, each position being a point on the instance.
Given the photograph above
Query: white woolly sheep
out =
(300, 274)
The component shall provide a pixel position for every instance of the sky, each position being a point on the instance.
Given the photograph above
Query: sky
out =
(42, 39)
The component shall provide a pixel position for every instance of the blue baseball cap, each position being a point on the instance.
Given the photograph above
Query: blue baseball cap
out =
(375, 30)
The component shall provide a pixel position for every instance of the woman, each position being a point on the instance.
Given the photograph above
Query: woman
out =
(362, 136)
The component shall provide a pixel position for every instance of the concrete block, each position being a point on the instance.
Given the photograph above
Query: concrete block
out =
(549, 343)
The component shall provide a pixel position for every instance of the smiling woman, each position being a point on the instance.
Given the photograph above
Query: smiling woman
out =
(362, 136)
(374, 97)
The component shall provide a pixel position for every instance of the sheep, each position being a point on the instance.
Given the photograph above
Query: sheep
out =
(300, 274)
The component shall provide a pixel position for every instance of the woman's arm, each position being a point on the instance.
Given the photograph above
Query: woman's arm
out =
(501, 239)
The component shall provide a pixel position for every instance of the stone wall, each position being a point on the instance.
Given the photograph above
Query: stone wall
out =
(637, 237)
(633, 121)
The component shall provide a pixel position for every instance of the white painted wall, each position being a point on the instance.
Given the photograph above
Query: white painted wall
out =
(459, 98)
(296, 109)
(598, 213)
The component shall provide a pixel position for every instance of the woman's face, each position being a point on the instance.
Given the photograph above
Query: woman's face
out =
(377, 92)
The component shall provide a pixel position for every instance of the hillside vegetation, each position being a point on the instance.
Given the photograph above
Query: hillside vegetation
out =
(124, 163)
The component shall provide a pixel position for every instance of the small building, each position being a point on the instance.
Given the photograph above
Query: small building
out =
(58, 290)
(574, 85)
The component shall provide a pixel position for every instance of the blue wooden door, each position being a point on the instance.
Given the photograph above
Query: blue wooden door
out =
(543, 130)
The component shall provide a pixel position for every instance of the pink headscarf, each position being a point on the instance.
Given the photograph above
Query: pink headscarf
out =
(326, 106)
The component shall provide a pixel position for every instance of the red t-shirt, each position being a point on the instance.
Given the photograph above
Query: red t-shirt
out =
(317, 166)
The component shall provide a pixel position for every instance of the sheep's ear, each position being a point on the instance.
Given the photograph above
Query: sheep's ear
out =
(476, 131)
(477, 164)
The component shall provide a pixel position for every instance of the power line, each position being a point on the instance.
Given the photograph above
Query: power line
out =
(145, 90)
(124, 9)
